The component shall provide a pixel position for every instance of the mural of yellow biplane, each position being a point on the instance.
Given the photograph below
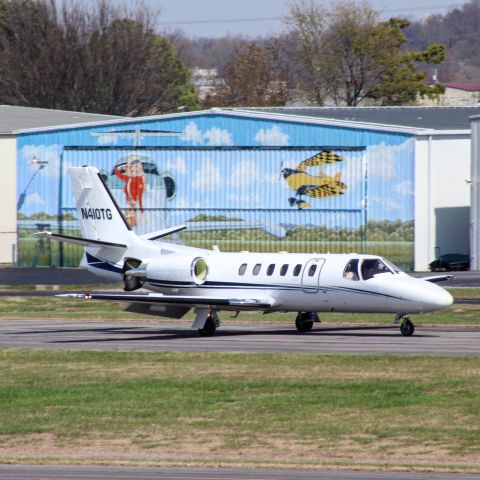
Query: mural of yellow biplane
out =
(315, 186)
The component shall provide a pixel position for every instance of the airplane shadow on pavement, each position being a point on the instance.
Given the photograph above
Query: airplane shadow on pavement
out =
(140, 334)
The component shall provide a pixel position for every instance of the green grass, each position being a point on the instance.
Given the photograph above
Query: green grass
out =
(50, 307)
(466, 292)
(270, 408)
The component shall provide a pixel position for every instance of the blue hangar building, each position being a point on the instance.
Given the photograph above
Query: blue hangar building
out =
(392, 181)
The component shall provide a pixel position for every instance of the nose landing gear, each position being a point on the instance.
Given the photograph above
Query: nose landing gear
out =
(407, 328)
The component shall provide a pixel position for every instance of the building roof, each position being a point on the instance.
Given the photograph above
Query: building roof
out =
(413, 120)
(428, 118)
(467, 86)
(14, 119)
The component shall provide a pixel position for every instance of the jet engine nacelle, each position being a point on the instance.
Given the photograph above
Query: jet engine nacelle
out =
(177, 268)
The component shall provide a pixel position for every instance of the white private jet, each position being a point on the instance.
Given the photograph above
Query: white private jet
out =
(209, 281)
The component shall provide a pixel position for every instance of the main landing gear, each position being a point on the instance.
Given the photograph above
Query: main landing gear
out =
(406, 326)
(305, 320)
(211, 325)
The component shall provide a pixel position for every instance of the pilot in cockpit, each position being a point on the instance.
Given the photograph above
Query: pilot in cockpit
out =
(372, 267)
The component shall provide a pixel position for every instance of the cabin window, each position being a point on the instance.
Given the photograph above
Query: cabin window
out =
(351, 270)
(256, 268)
(312, 270)
(270, 269)
(372, 267)
(283, 270)
(242, 269)
(297, 270)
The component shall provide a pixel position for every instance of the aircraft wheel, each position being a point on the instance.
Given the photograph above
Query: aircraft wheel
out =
(304, 327)
(407, 328)
(303, 322)
(210, 326)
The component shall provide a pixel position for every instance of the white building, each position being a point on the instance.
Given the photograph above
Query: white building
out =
(456, 94)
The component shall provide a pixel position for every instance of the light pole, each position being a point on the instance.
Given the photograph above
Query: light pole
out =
(41, 165)
(35, 162)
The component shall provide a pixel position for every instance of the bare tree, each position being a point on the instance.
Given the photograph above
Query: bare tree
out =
(91, 57)
(306, 24)
(250, 79)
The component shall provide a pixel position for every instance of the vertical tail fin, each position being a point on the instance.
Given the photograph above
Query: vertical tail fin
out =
(98, 214)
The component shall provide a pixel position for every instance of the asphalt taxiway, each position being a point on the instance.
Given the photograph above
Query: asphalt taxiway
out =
(236, 337)
(73, 472)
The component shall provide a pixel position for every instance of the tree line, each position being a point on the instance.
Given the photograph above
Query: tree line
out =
(101, 58)
(344, 55)
(458, 31)
(91, 57)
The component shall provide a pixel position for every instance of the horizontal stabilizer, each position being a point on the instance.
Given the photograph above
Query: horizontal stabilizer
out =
(87, 242)
(163, 233)
(181, 300)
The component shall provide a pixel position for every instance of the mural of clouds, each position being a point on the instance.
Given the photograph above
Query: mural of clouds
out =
(404, 188)
(212, 137)
(383, 159)
(208, 176)
(192, 134)
(277, 179)
(178, 166)
(44, 153)
(34, 200)
(217, 136)
(385, 203)
(272, 136)
(244, 173)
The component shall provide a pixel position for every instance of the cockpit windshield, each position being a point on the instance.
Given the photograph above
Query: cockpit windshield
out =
(368, 268)
(392, 266)
(374, 266)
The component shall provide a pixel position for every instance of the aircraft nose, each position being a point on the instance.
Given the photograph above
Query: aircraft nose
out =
(435, 298)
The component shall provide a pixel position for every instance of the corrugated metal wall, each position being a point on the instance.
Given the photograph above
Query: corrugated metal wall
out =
(222, 176)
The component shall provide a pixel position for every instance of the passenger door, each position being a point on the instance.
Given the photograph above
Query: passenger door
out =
(311, 275)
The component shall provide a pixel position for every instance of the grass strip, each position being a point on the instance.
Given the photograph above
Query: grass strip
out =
(248, 408)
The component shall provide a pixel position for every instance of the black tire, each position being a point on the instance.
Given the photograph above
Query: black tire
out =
(407, 328)
(209, 328)
(302, 325)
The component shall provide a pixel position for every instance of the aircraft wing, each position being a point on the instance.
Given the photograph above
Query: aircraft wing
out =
(179, 300)
(322, 158)
(321, 191)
